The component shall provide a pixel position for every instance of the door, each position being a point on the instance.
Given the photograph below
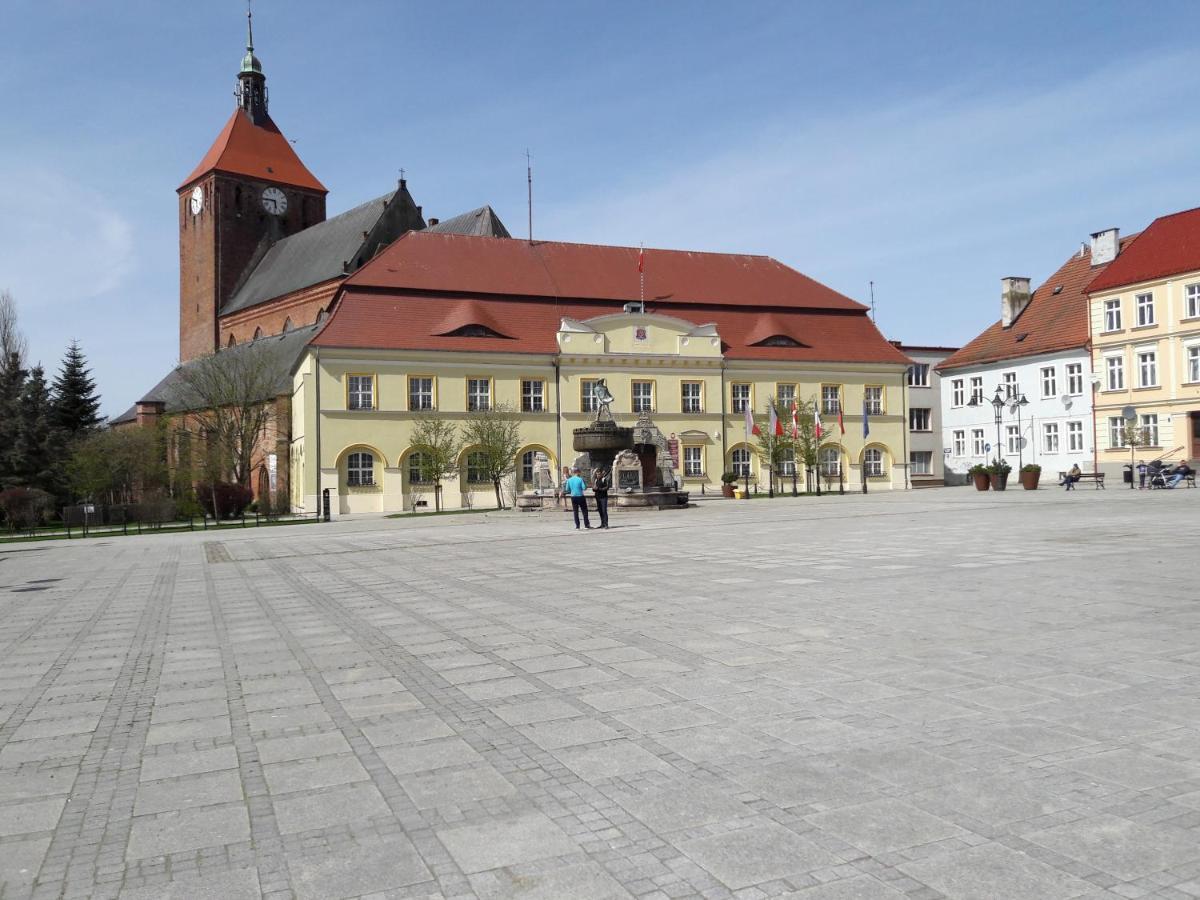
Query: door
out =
(1194, 450)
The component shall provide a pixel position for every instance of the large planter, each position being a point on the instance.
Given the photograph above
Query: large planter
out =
(1029, 480)
(982, 480)
(727, 489)
(1000, 482)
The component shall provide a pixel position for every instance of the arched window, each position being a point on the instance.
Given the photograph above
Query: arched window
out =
(417, 469)
(360, 469)
(477, 468)
(527, 459)
(831, 462)
(287, 324)
(257, 333)
(873, 462)
(787, 462)
(741, 462)
(232, 341)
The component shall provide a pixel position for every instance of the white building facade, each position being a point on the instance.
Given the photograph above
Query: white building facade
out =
(1054, 428)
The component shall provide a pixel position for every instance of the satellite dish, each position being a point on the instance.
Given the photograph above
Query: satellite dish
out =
(1066, 400)
(1129, 414)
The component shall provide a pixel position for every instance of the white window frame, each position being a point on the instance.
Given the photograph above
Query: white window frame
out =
(690, 404)
(831, 399)
(1144, 304)
(960, 443)
(587, 399)
(1012, 439)
(958, 393)
(1075, 436)
(641, 394)
(920, 418)
(785, 396)
(533, 395)
(479, 394)
(976, 388)
(1193, 363)
(920, 462)
(1191, 309)
(873, 399)
(1147, 361)
(739, 462)
(1114, 373)
(872, 462)
(1075, 379)
(413, 464)
(918, 375)
(1116, 432)
(1050, 437)
(1112, 315)
(360, 469)
(1049, 382)
(360, 392)
(693, 461)
(787, 463)
(473, 468)
(1148, 422)
(741, 394)
(978, 442)
(1011, 388)
(830, 462)
(527, 463)
(418, 392)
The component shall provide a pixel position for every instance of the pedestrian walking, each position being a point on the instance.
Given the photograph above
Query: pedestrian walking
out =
(601, 482)
(575, 487)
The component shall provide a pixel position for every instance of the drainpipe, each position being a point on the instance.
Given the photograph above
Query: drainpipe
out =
(558, 415)
(317, 437)
(724, 400)
(904, 423)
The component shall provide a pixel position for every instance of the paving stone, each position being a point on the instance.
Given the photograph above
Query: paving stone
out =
(582, 882)
(327, 808)
(505, 841)
(1119, 846)
(30, 816)
(403, 759)
(206, 789)
(883, 826)
(188, 829)
(235, 884)
(188, 762)
(993, 871)
(365, 865)
(285, 777)
(755, 855)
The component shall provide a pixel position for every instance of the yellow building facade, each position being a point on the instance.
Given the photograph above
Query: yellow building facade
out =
(354, 411)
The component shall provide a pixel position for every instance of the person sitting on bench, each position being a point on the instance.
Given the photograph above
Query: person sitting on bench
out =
(1179, 473)
(1071, 477)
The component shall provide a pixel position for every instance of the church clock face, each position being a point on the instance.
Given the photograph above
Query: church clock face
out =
(274, 201)
(197, 201)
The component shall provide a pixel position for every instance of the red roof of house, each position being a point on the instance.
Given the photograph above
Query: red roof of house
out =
(1169, 246)
(418, 321)
(259, 151)
(1051, 322)
(485, 265)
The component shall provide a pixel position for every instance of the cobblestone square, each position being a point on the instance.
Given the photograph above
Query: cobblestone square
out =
(923, 695)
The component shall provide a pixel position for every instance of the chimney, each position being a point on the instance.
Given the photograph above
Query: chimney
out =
(1014, 297)
(433, 222)
(1106, 245)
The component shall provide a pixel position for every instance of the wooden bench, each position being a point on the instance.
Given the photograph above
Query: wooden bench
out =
(1096, 478)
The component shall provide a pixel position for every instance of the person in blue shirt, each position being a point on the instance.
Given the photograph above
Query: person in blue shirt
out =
(575, 486)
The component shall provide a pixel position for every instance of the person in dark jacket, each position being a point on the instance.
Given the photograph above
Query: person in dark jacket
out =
(601, 482)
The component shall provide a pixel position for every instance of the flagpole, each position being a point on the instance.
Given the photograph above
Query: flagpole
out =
(642, 276)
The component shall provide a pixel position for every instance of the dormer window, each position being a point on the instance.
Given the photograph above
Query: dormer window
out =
(475, 330)
(778, 340)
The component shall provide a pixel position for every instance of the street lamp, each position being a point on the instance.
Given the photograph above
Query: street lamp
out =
(1018, 405)
(998, 410)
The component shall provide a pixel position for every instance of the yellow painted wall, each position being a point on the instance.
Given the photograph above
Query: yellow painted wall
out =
(666, 353)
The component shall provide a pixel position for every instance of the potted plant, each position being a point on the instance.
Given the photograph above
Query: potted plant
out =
(727, 482)
(981, 476)
(1030, 473)
(999, 470)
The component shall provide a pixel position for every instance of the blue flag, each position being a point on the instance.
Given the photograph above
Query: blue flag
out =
(866, 426)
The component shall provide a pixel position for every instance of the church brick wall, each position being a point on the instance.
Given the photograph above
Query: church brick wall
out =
(302, 307)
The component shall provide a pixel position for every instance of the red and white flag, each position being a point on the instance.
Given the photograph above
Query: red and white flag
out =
(776, 425)
(641, 259)
(795, 424)
(841, 424)
(817, 430)
(751, 427)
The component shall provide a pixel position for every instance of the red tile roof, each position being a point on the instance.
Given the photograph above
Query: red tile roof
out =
(412, 321)
(1050, 323)
(486, 265)
(259, 151)
(1169, 246)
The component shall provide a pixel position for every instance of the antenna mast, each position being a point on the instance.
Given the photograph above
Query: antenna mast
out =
(529, 185)
(872, 284)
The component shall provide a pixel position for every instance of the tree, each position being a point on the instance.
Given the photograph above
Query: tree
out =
(12, 387)
(438, 443)
(75, 410)
(12, 342)
(36, 451)
(495, 435)
(775, 448)
(116, 464)
(228, 402)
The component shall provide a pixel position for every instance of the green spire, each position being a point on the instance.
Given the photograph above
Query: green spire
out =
(250, 62)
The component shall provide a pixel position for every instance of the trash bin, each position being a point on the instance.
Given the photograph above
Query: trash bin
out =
(1127, 475)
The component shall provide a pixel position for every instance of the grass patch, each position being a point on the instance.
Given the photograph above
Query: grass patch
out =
(107, 531)
(444, 512)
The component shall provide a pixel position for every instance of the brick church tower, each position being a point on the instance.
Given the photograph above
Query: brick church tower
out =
(250, 190)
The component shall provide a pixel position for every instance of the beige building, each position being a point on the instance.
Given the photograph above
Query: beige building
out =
(446, 324)
(1145, 332)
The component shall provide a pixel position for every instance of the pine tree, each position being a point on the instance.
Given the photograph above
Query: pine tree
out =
(75, 408)
(12, 385)
(37, 451)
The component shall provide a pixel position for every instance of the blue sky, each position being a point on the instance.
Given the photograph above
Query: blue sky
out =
(930, 147)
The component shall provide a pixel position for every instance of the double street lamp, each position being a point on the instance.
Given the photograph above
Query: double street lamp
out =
(997, 403)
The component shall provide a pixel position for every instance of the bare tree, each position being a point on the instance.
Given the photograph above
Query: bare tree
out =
(495, 435)
(12, 342)
(228, 400)
(437, 443)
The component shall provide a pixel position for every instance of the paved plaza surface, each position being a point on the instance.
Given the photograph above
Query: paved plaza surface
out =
(924, 695)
